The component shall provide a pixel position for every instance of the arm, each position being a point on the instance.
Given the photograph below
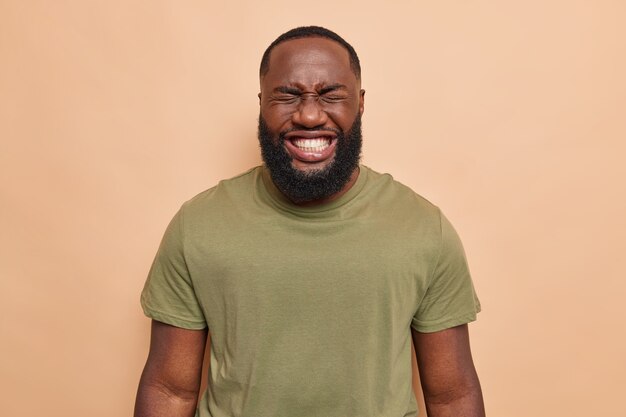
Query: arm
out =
(171, 378)
(449, 381)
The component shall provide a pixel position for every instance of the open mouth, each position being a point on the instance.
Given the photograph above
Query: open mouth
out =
(315, 145)
(309, 146)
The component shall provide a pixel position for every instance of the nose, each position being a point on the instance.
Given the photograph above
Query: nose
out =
(310, 112)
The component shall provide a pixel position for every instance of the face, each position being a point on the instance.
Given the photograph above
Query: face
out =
(309, 126)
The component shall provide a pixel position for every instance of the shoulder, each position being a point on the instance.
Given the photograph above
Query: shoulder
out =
(397, 198)
(227, 188)
(223, 197)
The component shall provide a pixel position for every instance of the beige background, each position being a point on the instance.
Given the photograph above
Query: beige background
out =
(509, 115)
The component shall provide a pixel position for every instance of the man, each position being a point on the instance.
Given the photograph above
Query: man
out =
(311, 272)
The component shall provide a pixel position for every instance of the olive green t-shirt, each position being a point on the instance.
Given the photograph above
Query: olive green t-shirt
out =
(310, 308)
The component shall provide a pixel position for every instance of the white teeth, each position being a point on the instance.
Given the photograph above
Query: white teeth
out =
(311, 145)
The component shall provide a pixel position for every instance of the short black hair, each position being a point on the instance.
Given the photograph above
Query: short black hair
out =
(311, 32)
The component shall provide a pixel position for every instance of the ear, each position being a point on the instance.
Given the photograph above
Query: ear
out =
(361, 101)
(259, 95)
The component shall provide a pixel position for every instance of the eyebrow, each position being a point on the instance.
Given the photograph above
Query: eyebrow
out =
(294, 90)
(332, 87)
(288, 90)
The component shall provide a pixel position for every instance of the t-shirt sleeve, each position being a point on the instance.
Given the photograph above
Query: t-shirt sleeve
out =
(450, 299)
(168, 295)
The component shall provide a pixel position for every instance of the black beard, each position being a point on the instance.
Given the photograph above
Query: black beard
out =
(301, 187)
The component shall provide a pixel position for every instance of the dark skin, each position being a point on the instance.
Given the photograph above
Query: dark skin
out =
(311, 85)
(171, 378)
(447, 374)
(310, 89)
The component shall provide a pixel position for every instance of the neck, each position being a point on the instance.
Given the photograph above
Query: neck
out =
(333, 197)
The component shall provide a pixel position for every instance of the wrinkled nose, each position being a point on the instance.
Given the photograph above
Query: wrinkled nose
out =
(310, 113)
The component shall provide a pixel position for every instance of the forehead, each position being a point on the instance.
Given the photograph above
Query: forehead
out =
(309, 61)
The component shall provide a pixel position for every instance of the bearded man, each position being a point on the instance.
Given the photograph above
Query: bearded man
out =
(313, 274)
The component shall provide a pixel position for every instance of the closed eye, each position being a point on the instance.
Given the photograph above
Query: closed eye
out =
(285, 97)
(333, 93)
(332, 98)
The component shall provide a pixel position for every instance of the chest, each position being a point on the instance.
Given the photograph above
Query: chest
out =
(292, 270)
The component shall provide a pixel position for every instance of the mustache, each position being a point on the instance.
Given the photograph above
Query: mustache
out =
(336, 131)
